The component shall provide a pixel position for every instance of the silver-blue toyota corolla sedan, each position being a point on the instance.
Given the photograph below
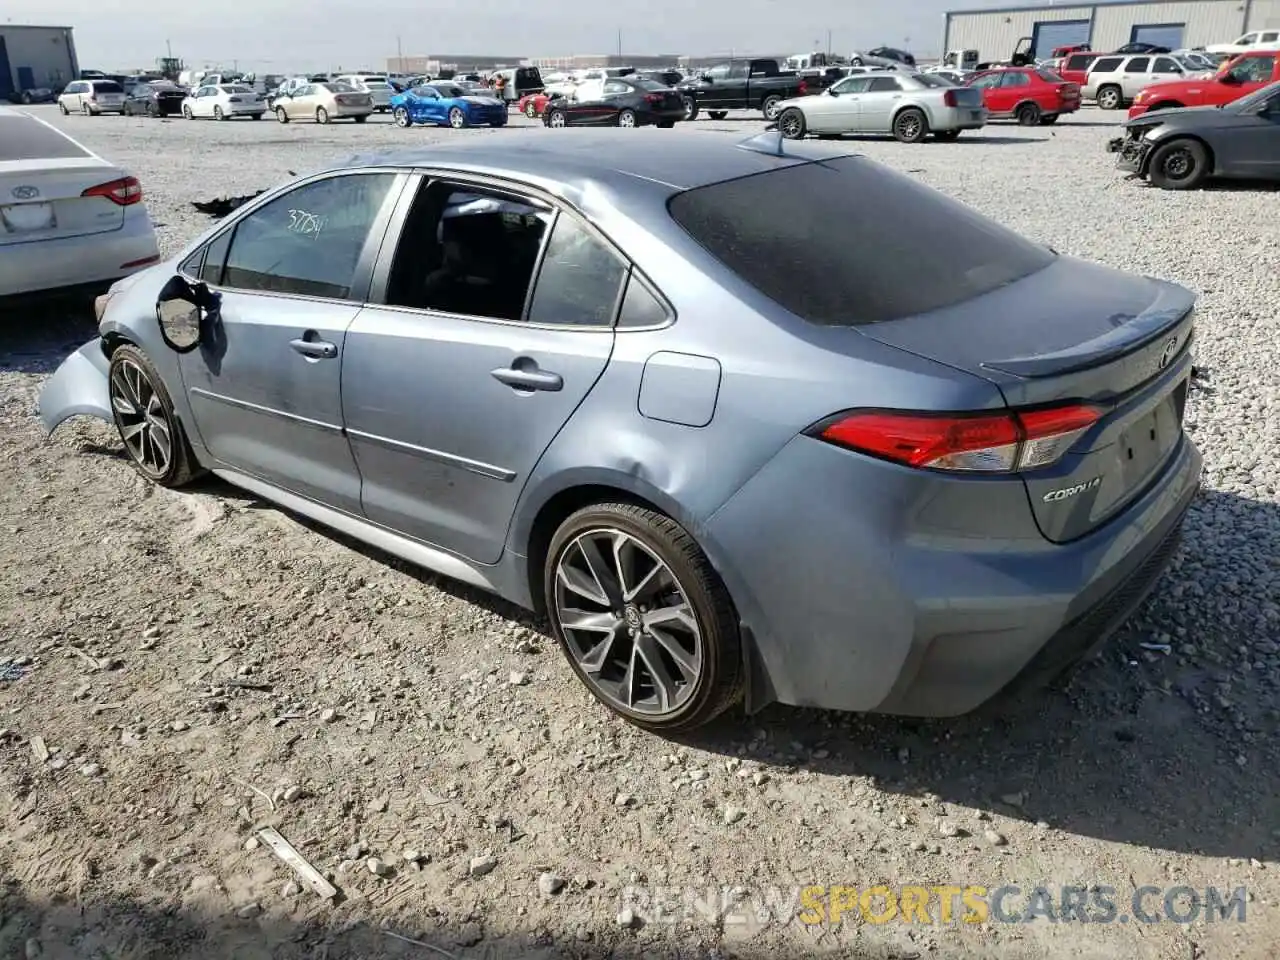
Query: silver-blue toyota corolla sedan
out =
(746, 422)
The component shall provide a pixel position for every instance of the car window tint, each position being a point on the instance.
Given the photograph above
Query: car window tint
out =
(25, 138)
(884, 85)
(616, 86)
(852, 85)
(877, 244)
(215, 258)
(1138, 65)
(467, 251)
(1015, 79)
(1165, 65)
(640, 307)
(580, 278)
(1106, 64)
(308, 242)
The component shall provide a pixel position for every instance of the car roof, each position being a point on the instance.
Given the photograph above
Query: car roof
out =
(582, 159)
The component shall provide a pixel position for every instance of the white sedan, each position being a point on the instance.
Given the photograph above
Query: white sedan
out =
(224, 101)
(68, 218)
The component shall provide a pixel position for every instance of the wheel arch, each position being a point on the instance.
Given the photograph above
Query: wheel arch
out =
(1173, 137)
(1029, 101)
(923, 108)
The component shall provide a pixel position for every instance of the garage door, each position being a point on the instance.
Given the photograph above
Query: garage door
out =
(1161, 34)
(1050, 34)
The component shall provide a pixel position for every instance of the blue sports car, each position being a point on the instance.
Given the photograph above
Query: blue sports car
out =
(447, 104)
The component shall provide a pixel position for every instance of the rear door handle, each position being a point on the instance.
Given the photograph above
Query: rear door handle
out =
(529, 378)
(316, 349)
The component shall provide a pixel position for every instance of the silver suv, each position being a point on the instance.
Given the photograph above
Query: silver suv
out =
(1114, 81)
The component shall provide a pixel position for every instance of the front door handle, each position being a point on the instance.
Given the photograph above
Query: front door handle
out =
(316, 349)
(528, 378)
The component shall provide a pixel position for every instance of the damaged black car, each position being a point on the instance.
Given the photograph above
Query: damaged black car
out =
(1180, 149)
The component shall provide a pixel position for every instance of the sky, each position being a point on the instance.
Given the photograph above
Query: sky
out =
(283, 36)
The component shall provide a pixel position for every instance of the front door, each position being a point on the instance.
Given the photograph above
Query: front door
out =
(1251, 147)
(992, 99)
(837, 110)
(454, 388)
(265, 385)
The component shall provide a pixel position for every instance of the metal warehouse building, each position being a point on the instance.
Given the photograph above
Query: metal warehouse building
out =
(35, 57)
(1104, 26)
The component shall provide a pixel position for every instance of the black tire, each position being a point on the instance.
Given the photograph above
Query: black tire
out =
(322, 115)
(791, 124)
(531, 110)
(281, 115)
(910, 125)
(401, 117)
(627, 118)
(717, 114)
(181, 466)
(770, 106)
(362, 118)
(947, 136)
(1028, 115)
(691, 108)
(1181, 164)
(186, 113)
(666, 124)
(218, 114)
(86, 110)
(255, 116)
(1049, 119)
(62, 109)
(719, 683)
(556, 119)
(1109, 97)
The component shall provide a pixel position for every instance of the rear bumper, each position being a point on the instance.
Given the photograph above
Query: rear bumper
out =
(340, 111)
(959, 118)
(649, 117)
(857, 595)
(49, 265)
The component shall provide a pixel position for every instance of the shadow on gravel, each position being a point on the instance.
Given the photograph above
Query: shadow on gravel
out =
(37, 334)
(127, 927)
(1136, 746)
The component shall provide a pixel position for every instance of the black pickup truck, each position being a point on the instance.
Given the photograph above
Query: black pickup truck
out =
(743, 85)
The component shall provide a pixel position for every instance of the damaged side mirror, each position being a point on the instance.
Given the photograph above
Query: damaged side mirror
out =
(181, 310)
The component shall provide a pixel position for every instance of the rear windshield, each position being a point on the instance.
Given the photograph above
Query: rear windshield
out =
(847, 242)
(1049, 76)
(107, 86)
(24, 138)
(932, 80)
(646, 84)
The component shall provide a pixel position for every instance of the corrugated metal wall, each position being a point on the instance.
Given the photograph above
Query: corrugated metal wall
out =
(995, 32)
(1205, 21)
(994, 35)
(1265, 13)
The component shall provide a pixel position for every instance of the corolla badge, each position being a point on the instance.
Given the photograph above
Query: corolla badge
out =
(1066, 493)
(1169, 352)
(25, 192)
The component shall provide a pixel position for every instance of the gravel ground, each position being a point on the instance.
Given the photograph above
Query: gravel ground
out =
(188, 666)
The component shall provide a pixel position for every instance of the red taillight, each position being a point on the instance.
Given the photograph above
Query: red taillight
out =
(653, 98)
(803, 88)
(967, 442)
(949, 98)
(125, 191)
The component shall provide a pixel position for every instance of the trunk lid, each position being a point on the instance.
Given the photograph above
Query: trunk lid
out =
(46, 204)
(1075, 331)
(970, 97)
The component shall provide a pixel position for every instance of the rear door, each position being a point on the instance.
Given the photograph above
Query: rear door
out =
(265, 387)
(1250, 147)
(839, 109)
(996, 102)
(454, 388)
(1134, 75)
(876, 106)
(47, 185)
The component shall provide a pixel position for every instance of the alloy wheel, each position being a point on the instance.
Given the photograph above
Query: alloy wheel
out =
(401, 117)
(141, 418)
(530, 110)
(456, 119)
(908, 126)
(1109, 99)
(627, 622)
(626, 119)
(557, 119)
(791, 125)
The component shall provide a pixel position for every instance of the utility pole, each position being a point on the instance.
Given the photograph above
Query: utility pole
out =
(619, 43)
(828, 43)
(399, 56)
(169, 49)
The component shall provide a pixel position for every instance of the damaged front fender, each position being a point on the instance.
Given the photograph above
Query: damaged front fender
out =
(77, 388)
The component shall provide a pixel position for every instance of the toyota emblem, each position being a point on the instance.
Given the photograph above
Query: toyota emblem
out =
(25, 193)
(1169, 352)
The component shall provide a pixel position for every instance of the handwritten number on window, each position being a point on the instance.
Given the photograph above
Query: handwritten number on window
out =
(307, 224)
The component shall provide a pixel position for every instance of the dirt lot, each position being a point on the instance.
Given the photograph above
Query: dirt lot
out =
(184, 668)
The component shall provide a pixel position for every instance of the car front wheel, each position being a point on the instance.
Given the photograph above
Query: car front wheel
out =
(792, 124)
(144, 417)
(642, 617)
(1179, 165)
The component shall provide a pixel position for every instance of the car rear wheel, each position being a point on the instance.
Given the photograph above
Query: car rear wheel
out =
(144, 417)
(717, 114)
(362, 118)
(86, 110)
(1028, 115)
(218, 114)
(910, 126)
(530, 110)
(947, 135)
(791, 124)
(1109, 98)
(556, 118)
(402, 118)
(322, 115)
(457, 119)
(281, 115)
(691, 108)
(186, 112)
(62, 108)
(642, 617)
(1179, 165)
(627, 118)
(1049, 119)
(770, 107)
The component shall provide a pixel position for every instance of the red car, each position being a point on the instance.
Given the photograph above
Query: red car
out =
(1246, 73)
(533, 104)
(1030, 95)
(1075, 68)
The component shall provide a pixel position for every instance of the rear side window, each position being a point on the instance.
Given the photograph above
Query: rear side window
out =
(107, 86)
(1107, 64)
(848, 242)
(25, 138)
(1138, 65)
(1077, 62)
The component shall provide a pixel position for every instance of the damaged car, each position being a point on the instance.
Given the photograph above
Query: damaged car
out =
(925, 461)
(1181, 148)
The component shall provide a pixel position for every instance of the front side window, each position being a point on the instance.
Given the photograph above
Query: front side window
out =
(580, 278)
(1015, 79)
(852, 85)
(309, 241)
(1166, 65)
(987, 81)
(719, 72)
(613, 87)
(1253, 69)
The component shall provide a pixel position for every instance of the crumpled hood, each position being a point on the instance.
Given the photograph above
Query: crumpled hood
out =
(1171, 113)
